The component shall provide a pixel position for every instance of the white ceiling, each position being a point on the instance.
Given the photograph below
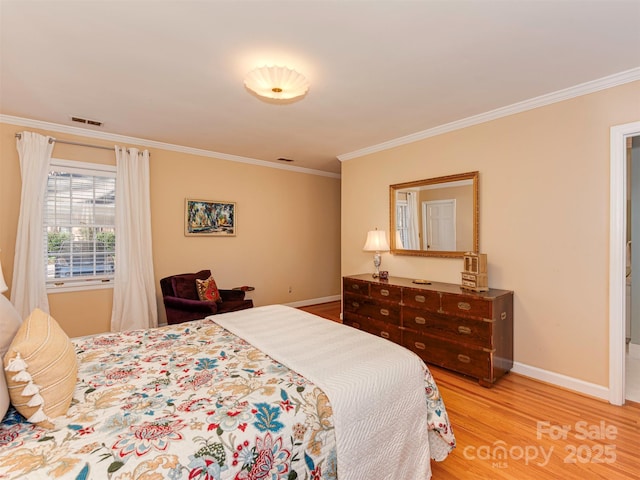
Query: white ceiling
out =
(172, 71)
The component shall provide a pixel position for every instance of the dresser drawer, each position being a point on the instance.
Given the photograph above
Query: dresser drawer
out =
(357, 304)
(465, 305)
(367, 307)
(465, 330)
(387, 293)
(381, 329)
(421, 299)
(471, 361)
(356, 286)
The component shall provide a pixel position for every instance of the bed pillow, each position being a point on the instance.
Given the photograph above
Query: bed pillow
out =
(41, 369)
(4, 397)
(208, 290)
(10, 321)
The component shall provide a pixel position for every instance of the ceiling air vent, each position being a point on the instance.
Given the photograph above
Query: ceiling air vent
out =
(95, 123)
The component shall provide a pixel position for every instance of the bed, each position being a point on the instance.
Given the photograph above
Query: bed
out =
(267, 393)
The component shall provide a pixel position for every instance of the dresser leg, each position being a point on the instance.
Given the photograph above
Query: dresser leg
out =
(485, 382)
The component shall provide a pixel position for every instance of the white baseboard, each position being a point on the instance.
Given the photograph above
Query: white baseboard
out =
(634, 350)
(314, 301)
(560, 380)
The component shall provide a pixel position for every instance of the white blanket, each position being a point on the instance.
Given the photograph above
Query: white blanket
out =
(376, 388)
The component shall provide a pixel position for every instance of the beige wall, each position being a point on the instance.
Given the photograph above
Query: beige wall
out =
(288, 228)
(544, 219)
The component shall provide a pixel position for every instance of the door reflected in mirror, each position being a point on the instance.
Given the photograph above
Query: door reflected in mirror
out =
(435, 217)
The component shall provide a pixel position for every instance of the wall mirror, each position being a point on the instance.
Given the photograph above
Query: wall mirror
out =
(435, 217)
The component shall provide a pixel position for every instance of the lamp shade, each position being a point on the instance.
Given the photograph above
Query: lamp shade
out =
(376, 242)
(281, 83)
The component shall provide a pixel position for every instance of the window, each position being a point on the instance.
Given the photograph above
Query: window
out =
(402, 224)
(79, 225)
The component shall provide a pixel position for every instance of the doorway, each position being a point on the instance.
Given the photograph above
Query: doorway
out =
(618, 237)
(632, 289)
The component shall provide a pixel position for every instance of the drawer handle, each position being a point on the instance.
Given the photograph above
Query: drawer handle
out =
(420, 346)
(384, 311)
(355, 304)
(355, 286)
(420, 298)
(464, 306)
(420, 320)
(464, 330)
(503, 316)
(464, 358)
(384, 292)
(384, 334)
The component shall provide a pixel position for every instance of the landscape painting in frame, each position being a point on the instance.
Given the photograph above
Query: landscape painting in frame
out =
(204, 217)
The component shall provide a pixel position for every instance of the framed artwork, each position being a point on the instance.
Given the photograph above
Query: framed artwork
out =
(212, 218)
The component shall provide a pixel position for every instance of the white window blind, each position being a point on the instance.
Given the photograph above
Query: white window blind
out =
(79, 224)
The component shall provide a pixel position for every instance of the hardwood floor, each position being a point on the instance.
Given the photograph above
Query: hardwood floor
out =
(330, 310)
(522, 429)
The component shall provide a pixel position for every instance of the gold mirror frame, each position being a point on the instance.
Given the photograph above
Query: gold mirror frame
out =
(393, 189)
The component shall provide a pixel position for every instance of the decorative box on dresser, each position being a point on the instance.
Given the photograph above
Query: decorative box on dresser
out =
(469, 332)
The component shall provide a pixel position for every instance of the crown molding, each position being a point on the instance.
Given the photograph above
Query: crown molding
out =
(143, 142)
(555, 97)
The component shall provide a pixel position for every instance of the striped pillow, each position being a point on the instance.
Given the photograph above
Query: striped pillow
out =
(41, 369)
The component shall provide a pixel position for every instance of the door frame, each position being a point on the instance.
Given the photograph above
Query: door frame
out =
(617, 257)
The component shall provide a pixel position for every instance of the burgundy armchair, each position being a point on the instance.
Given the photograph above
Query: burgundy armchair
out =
(182, 304)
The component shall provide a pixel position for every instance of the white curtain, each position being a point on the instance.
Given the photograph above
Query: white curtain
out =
(134, 293)
(412, 224)
(28, 287)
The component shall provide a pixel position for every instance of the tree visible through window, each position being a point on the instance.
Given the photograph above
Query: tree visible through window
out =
(79, 222)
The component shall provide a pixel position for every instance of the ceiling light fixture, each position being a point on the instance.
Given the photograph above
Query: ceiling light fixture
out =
(280, 83)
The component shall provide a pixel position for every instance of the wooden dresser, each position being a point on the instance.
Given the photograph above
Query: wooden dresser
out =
(469, 332)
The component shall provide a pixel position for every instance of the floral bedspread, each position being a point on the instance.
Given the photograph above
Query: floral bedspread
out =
(189, 401)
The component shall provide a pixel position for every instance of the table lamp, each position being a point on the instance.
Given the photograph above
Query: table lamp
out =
(376, 242)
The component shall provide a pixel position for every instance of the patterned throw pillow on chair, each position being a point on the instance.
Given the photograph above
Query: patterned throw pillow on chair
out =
(208, 290)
